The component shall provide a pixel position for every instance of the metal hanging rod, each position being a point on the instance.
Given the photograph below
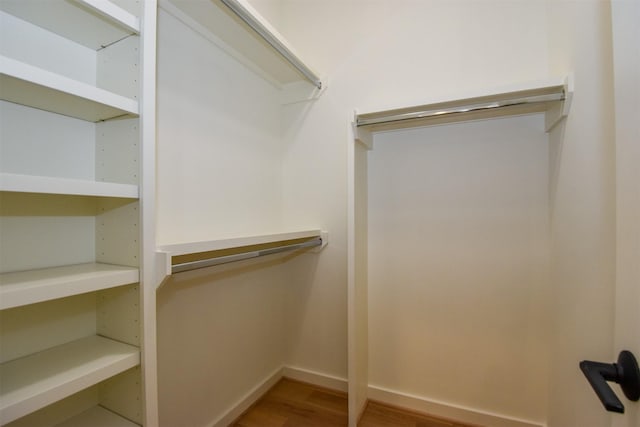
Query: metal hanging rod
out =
(257, 26)
(193, 265)
(425, 112)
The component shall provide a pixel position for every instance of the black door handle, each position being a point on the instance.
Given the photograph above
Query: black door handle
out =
(625, 373)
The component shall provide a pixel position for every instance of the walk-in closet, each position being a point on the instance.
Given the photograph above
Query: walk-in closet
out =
(425, 206)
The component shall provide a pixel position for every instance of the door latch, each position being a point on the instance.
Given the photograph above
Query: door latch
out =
(625, 372)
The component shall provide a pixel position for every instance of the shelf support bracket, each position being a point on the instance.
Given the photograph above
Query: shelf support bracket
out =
(555, 114)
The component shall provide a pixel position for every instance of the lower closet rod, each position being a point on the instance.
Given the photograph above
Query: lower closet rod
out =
(193, 265)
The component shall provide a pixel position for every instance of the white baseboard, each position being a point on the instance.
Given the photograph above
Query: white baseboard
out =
(249, 399)
(315, 378)
(259, 390)
(446, 410)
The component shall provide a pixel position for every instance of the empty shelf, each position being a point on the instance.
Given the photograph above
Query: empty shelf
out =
(28, 287)
(91, 23)
(97, 417)
(25, 84)
(35, 381)
(214, 252)
(552, 97)
(239, 29)
(75, 187)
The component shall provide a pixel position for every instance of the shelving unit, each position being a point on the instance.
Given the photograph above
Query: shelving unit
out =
(236, 248)
(552, 97)
(72, 298)
(97, 417)
(32, 382)
(236, 27)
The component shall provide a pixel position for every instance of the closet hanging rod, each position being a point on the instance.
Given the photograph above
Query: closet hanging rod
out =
(236, 7)
(210, 262)
(427, 113)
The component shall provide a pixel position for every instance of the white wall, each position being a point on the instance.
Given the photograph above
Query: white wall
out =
(458, 265)
(582, 211)
(219, 149)
(221, 331)
(380, 54)
(626, 52)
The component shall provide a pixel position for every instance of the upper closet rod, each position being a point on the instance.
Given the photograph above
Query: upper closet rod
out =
(460, 109)
(273, 41)
(178, 268)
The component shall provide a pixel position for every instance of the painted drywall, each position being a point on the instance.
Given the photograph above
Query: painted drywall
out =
(219, 151)
(221, 331)
(458, 265)
(626, 54)
(582, 199)
(418, 51)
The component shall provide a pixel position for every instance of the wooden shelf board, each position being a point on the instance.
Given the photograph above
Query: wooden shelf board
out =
(465, 103)
(25, 84)
(35, 381)
(234, 242)
(219, 25)
(97, 417)
(76, 187)
(91, 23)
(29, 287)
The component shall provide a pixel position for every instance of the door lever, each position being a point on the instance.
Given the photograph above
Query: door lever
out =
(625, 373)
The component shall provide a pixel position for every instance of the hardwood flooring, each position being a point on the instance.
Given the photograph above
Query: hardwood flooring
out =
(292, 403)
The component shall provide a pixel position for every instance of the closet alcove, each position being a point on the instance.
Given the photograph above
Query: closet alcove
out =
(449, 254)
(228, 321)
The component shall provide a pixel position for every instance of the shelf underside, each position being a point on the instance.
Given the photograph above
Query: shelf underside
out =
(29, 287)
(179, 249)
(91, 23)
(35, 381)
(37, 88)
(216, 18)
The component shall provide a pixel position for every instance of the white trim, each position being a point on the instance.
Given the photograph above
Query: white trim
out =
(248, 399)
(316, 378)
(294, 373)
(447, 410)
(114, 13)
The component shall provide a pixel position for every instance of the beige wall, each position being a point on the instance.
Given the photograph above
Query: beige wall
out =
(380, 54)
(222, 331)
(582, 211)
(626, 51)
(459, 265)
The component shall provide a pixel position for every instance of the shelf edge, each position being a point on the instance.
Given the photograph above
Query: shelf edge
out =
(34, 286)
(19, 183)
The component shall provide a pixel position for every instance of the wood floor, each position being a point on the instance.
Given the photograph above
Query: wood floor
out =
(295, 404)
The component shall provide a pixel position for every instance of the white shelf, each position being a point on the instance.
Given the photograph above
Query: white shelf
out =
(190, 249)
(29, 287)
(25, 84)
(91, 23)
(35, 381)
(77, 187)
(552, 97)
(216, 22)
(97, 417)
(235, 242)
